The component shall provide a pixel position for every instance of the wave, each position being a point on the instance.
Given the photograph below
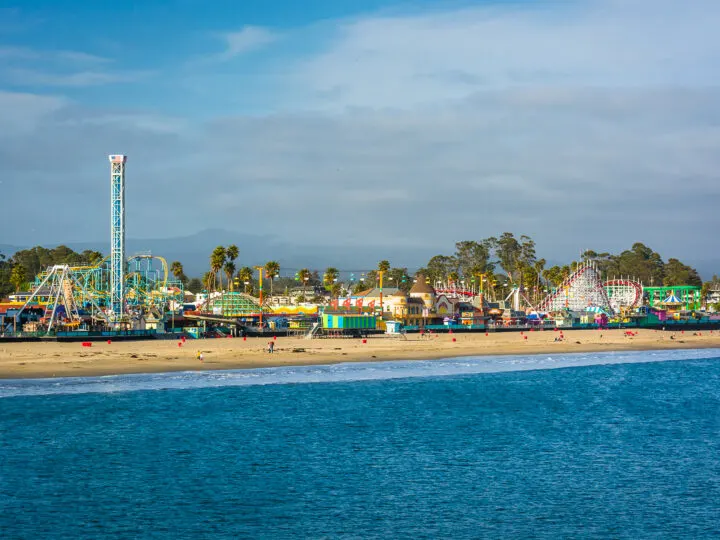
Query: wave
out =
(345, 372)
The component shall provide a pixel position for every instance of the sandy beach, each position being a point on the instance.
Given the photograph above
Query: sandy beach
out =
(30, 360)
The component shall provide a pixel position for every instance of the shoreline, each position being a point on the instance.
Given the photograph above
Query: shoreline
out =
(48, 360)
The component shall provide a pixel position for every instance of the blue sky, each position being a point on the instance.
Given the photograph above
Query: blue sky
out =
(160, 55)
(584, 123)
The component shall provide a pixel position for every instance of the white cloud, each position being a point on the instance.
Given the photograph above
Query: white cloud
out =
(245, 40)
(406, 61)
(598, 168)
(30, 67)
(33, 77)
(20, 113)
(12, 53)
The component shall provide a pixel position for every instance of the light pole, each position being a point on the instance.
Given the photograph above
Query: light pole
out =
(380, 273)
(260, 284)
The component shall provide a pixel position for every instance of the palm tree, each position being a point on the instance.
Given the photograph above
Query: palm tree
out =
(178, 271)
(304, 276)
(208, 280)
(217, 260)
(272, 270)
(539, 268)
(229, 269)
(232, 252)
(383, 266)
(336, 290)
(565, 272)
(330, 276)
(245, 275)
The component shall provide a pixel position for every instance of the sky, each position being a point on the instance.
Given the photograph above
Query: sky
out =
(585, 124)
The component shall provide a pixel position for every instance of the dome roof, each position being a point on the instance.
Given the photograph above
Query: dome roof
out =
(421, 286)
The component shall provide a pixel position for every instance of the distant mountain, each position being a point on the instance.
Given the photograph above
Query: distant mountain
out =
(193, 251)
(8, 250)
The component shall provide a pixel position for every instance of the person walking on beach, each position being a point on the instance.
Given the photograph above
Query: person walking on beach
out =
(271, 346)
(199, 356)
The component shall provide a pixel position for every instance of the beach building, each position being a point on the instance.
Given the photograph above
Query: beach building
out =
(420, 307)
(42, 296)
(371, 298)
(405, 309)
(340, 320)
(151, 320)
(423, 291)
(712, 298)
(459, 310)
(395, 304)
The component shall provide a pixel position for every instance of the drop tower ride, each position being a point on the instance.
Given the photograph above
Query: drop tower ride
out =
(117, 235)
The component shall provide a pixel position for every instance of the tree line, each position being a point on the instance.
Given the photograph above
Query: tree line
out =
(19, 271)
(497, 264)
(493, 265)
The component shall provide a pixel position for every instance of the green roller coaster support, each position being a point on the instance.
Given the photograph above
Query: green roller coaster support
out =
(233, 304)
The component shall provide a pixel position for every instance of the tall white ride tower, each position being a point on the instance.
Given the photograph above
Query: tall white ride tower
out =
(117, 235)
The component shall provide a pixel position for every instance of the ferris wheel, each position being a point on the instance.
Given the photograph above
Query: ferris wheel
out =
(623, 293)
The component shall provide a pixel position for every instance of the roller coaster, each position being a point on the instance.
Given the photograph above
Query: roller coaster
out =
(582, 289)
(72, 294)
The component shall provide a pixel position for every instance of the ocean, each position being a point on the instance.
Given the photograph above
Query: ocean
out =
(612, 445)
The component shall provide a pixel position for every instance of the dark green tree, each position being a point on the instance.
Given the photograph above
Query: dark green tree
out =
(509, 252)
(398, 277)
(439, 267)
(641, 263)
(677, 273)
(5, 272)
(473, 258)
(194, 285)
(18, 277)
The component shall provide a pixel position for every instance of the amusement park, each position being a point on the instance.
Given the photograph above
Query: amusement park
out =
(137, 296)
(120, 296)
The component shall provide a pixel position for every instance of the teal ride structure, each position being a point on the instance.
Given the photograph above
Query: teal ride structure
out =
(146, 286)
(686, 297)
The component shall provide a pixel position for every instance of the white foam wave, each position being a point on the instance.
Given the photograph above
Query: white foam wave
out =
(346, 372)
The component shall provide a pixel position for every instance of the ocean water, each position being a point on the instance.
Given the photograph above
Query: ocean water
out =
(623, 445)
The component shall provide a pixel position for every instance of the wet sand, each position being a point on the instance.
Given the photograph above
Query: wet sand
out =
(30, 360)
